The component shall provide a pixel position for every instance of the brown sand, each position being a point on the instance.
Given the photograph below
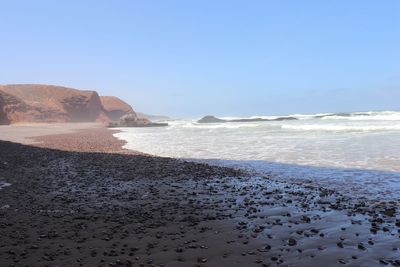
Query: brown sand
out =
(88, 140)
(73, 206)
(26, 132)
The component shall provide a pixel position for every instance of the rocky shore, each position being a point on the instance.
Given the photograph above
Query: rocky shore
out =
(135, 121)
(80, 199)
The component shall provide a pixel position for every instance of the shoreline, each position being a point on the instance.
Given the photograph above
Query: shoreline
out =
(79, 199)
(85, 140)
(24, 133)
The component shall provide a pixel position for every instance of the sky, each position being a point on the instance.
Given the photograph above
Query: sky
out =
(200, 57)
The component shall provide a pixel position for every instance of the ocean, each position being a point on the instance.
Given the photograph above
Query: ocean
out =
(356, 152)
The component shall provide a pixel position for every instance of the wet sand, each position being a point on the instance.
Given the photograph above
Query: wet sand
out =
(79, 199)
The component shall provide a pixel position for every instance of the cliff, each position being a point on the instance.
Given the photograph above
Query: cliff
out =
(14, 109)
(48, 103)
(115, 107)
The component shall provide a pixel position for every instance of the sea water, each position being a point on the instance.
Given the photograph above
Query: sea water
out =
(357, 151)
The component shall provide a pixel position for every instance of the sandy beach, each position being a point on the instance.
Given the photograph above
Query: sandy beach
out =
(200, 133)
(72, 196)
(25, 133)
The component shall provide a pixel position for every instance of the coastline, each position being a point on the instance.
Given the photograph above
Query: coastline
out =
(80, 199)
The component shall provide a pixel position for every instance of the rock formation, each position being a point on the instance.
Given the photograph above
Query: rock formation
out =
(115, 107)
(22, 103)
(213, 119)
(131, 120)
(14, 109)
(210, 119)
(153, 117)
(3, 114)
(47, 103)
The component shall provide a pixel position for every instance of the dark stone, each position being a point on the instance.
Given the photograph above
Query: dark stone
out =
(292, 242)
(131, 120)
(210, 119)
(213, 119)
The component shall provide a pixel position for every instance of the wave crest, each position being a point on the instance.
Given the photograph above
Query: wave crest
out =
(337, 128)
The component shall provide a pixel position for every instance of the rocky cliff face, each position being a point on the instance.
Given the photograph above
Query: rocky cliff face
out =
(47, 103)
(3, 115)
(116, 108)
(14, 109)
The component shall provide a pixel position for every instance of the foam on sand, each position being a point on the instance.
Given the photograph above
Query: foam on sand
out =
(4, 184)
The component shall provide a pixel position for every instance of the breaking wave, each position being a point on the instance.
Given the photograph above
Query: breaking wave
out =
(332, 127)
(371, 115)
(368, 115)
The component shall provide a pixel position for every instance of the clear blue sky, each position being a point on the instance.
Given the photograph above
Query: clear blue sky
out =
(192, 58)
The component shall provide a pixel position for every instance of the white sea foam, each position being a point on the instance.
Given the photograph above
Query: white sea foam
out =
(330, 127)
(308, 147)
(365, 116)
(4, 184)
(309, 116)
(228, 125)
(356, 116)
(393, 117)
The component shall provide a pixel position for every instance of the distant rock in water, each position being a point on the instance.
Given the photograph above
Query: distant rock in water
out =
(285, 119)
(131, 120)
(261, 119)
(210, 119)
(213, 119)
(153, 117)
(342, 114)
